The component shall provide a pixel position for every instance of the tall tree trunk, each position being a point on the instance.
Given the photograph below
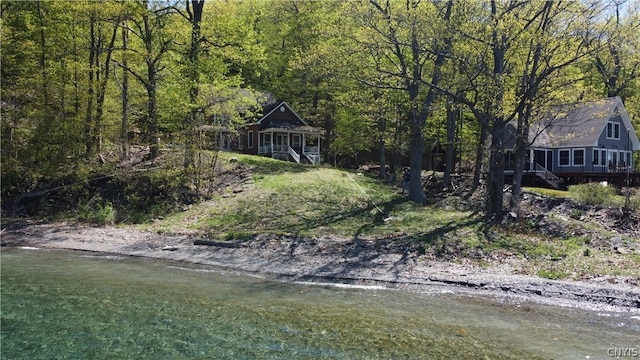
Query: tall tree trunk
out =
(394, 167)
(195, 13)
(522, 147)
(381, 148)
(495, 183)
(42, 61)
(152, 111)
(528, 93)
(416, 149)
(495, 186)
(482, 141)
(102, 87)
(151, 84)
(124, 126)
(88, 120)
(452, 115)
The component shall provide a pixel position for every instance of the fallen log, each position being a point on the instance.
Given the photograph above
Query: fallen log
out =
(224, 244)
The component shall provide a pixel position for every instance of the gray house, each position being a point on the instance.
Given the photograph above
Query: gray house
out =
(583, 142)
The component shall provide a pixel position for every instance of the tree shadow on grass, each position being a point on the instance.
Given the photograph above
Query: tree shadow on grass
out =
(376, 213)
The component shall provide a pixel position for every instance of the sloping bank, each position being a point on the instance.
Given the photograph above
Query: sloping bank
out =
(331, 260)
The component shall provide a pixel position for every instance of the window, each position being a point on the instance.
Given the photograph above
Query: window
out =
(596, 157)
(250, 139)
(603, 157)
(612, 158)
(578, 157)
(613, 130)
(265, 139)
(564, 157)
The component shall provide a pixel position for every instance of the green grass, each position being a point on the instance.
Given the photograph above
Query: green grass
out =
(548, 192)
(314, 201)
(304, 200)
(611, 199)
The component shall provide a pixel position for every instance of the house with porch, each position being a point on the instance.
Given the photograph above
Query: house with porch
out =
(281, 134)
(592, 141)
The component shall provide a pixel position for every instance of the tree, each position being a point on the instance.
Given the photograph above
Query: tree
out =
(616, 61)
(194, 11)
(101, 43)
(404, 44)
(517, 49)
(149, 27)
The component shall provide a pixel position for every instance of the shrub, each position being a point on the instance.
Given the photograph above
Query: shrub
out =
(97, 212)
(634, 201)
(592, 194)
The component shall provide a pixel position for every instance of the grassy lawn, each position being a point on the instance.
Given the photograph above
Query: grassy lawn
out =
(314, 201)
(304, 200)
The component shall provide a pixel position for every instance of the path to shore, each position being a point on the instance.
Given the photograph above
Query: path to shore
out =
(329, 260)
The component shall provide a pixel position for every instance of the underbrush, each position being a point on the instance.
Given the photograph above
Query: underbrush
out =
(593, 194)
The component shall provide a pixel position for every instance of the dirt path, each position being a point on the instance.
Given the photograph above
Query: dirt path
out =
(331, 260)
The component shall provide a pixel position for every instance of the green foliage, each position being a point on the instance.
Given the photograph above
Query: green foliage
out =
(97, 212)
(340, 64)
(548, 192)
(632, 200)
(592, 194)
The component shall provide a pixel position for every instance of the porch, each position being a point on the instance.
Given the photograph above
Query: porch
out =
(560, 168)
(298, 146)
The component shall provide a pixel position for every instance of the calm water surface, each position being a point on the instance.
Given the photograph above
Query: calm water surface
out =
(69, 305)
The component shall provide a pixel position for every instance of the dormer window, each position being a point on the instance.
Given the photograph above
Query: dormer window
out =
(613, 130)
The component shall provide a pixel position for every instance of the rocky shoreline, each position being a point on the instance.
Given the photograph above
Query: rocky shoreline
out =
(332, 260)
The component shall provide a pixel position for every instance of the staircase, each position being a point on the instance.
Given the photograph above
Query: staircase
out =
(313, 158)
(294, 155)
(548, 177)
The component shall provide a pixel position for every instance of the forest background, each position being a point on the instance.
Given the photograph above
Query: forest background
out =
(83, 81)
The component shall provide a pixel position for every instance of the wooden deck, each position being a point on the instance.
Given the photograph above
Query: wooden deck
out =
(618, 179)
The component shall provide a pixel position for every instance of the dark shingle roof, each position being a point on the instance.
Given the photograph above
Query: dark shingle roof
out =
(574, 125)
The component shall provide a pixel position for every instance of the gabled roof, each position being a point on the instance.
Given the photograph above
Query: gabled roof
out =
(280, 116)
(580, 125)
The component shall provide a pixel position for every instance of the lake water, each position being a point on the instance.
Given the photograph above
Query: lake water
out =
(74, 305)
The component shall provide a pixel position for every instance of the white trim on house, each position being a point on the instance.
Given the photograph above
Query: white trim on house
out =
(568, 158)
(573, 156)
(277, 108)
(613, 130)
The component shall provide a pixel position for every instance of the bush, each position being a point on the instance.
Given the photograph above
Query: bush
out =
(592, 194)
(97, 212)
(634, 201)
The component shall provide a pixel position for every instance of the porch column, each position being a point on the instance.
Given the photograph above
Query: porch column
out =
(532, 160)
(304, 141)
(272, 141)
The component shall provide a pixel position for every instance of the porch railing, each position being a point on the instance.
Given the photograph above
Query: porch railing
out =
(294, 154)
(264, 149)
(313, 158)
(311, 150)
(551, 178)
